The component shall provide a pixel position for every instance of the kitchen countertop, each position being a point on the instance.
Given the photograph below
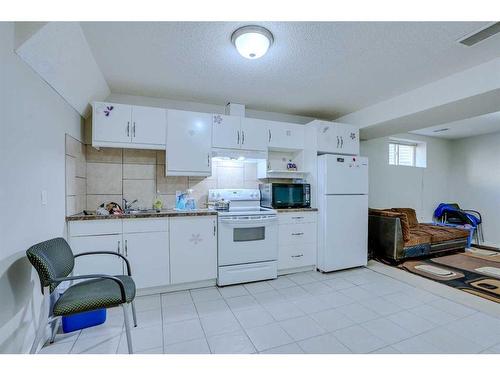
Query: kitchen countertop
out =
(309, 209)
(143, 215)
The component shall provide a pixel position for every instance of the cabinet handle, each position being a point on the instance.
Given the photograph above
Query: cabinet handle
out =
(133, 130)
(338, 141)
(118, 248)
(128, 128)
(208, 159)
(126, 248)
(215, 229)
(297, 217)
(297, 256)
(341, 142)
(238, 137)
(270, 135)
(242, 137)
(298, 234)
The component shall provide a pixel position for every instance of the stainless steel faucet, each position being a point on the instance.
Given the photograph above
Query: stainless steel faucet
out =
(128, 205)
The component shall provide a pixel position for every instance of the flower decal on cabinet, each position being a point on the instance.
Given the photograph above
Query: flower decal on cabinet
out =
(217, 119)
(108, 110)
(353, 136)
(195, 238)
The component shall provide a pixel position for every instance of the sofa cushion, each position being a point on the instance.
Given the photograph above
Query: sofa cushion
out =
(410, 213)
(417, 238)
(440, 233)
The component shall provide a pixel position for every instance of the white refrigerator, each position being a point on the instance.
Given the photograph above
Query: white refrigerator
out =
(343, 212)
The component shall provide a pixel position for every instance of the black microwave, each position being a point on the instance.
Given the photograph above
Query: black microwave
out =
(282, 195)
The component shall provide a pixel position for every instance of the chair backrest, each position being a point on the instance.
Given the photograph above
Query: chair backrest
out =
(51, 259)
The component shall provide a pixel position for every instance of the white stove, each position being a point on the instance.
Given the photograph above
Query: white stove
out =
(247, 237)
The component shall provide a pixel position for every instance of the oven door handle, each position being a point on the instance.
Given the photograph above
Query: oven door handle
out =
(250, 222)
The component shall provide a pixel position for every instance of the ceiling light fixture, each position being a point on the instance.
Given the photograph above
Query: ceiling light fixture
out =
(252, 42)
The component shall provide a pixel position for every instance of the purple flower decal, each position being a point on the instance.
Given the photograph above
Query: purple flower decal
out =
(108, 110)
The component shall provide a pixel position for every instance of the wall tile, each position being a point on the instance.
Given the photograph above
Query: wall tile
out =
(250, 171)
(73, 147)
(139, 172)
(94, 201)
(104, 155)
(160, 157)
(104, 178)
(229, 177)
(139, 156)
(81, 168)
(200, 188)
(71, 205)
(81, 203)
(70, 175)
(80, 186)
(142, 190)
(168, 201)
(171, 184)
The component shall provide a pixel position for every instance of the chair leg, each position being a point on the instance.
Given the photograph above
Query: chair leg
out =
(134, 314)
(43, 320)
(482, 233)
(127, 328)
(55, 328)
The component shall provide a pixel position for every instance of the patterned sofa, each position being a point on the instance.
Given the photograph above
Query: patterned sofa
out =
(395, 234)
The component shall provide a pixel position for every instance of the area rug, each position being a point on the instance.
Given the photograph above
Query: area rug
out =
(475, 271)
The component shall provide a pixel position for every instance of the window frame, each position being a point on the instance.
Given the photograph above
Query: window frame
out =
(397, 143)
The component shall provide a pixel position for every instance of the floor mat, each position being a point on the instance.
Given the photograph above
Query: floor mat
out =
(476, 271)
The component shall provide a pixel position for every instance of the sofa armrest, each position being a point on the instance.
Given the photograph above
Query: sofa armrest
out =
(385, 236)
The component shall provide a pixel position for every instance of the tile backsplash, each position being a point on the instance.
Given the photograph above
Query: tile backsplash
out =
(111, 174)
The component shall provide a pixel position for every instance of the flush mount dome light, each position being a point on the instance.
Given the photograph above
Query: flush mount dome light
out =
(252, 42)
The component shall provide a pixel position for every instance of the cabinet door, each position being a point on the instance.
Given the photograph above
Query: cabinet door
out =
(92, 264)
(189, 143)
(282, 135)
(111, 122)
(148, 255)
(349, 139)
(149, 126)
(328, 140)
(226, 131)
(193, 249)
(254, 135)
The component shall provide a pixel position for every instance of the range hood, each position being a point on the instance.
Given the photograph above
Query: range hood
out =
(235, 154)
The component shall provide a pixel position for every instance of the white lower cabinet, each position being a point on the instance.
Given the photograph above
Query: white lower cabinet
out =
(193, 249)
(297, 240)
(148, 254)
(93, 264)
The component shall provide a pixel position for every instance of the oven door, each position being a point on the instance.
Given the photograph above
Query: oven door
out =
(247, 239)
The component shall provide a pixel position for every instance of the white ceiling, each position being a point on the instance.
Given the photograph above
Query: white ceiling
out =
(485, 124)
(323, 69)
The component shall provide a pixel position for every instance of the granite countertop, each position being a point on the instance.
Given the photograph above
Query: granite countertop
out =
(143, 215)
(309, 209)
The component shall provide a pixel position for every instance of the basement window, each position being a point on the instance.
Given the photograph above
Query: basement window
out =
(407, 153)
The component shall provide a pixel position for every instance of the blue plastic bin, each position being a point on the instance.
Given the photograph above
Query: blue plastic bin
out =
(83, 320)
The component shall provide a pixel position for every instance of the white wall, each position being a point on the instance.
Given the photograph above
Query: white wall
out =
(475, 179)
(399, 186)
(34, 120)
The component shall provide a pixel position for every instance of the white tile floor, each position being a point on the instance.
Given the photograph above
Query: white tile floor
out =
(354, 311)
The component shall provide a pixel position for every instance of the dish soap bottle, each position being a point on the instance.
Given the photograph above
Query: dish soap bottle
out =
(157, 203)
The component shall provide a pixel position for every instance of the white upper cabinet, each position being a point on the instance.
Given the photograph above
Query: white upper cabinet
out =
(253, 134)
(333, 137)
(285, 136)
(236, 132)
(126, 126)
(111, 123)
(149, 125)
(189, 143)
(226, 132)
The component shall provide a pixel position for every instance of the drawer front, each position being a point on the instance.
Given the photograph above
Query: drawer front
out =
(244, 273)
(290, 234)
(145, 225)
(296, 217)
(95, 227)
(299, 255)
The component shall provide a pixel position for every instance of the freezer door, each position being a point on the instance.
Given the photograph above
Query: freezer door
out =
(343, 232)
(344, 174)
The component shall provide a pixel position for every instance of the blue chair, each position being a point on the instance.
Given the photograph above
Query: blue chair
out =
(451, 213)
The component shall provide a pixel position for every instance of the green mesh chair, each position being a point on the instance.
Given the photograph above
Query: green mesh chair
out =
(54, 262)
